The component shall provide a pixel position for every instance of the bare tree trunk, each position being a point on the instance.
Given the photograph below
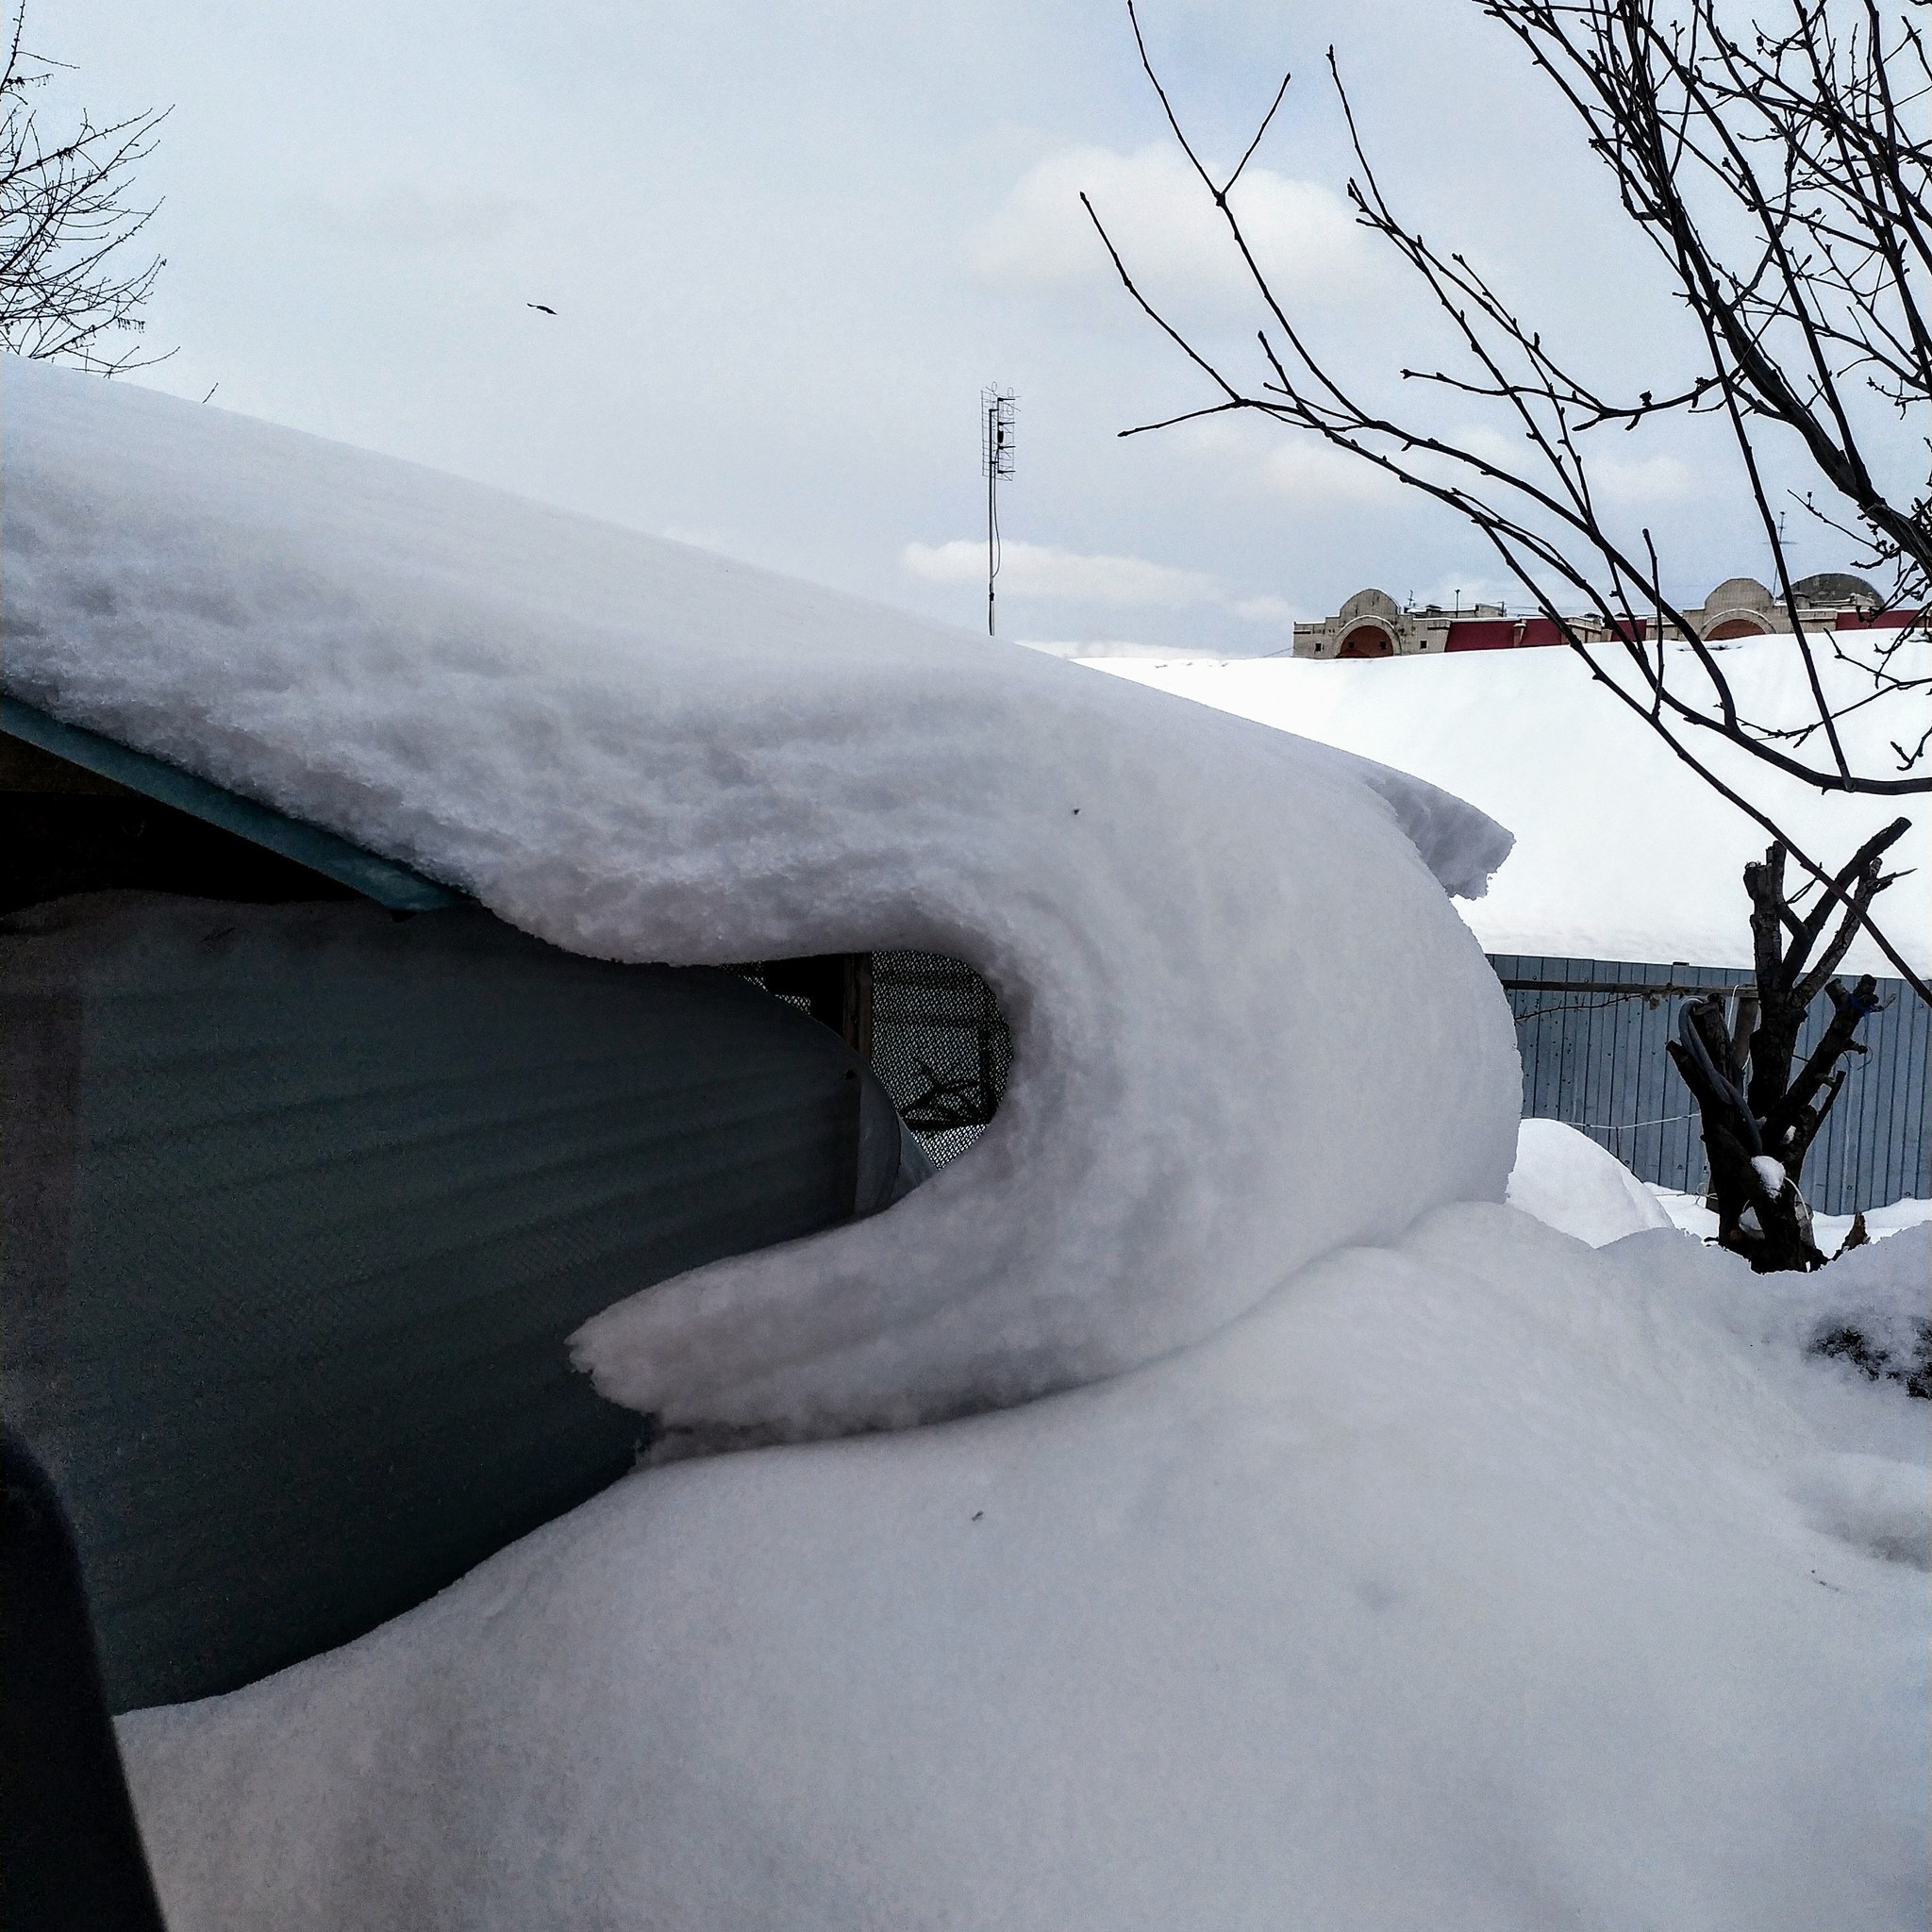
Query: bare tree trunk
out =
(1760, 1118)
(1760, 1212)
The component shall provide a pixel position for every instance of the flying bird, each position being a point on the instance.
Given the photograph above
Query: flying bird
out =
(543, 306)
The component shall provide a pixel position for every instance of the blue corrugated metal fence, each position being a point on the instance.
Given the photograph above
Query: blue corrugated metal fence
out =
(1591, 1033)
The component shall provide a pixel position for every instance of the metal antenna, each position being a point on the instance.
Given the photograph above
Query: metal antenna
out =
(996, 409)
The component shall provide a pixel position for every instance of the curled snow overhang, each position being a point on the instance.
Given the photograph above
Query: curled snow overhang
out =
(1225, 952)
(1463, 847)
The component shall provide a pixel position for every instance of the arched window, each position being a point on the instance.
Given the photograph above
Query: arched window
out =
(1367, 640)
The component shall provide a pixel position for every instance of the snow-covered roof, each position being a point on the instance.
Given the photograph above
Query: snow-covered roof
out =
(1431, 1569)
(1621, 851)
(1219, 947)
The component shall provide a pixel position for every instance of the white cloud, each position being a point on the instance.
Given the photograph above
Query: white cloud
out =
(1622, 482)
(1167, 231)
(409, 218)
(1310, 470)
(1294, 463)
(1491, 446)
(1635, 480)
(1614, 479)
(1040, 570)
(1263, 610)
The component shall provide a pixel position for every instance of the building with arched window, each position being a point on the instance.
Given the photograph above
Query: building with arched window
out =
(1371, 625)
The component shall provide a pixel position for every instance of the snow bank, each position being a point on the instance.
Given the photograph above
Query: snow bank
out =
(1782, 1324)
(1478, 1582)
(1688, 1212)
(1621, 851)
(1880, 1293)
(1570, 1183)
(1225, 961)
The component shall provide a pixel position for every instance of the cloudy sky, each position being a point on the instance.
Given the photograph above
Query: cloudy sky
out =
(787, 245)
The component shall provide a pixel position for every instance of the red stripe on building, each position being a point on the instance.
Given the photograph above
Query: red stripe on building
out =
(1875, 620)
(1539, 630)
(1482, 634)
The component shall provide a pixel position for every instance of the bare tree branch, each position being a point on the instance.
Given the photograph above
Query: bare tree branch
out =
(1780, 178)
(66, 219)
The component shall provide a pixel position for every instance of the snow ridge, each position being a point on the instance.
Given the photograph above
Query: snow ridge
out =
(1223, 957)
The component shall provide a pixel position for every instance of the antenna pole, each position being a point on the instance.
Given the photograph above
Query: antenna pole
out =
(996, 459)
(992, 514)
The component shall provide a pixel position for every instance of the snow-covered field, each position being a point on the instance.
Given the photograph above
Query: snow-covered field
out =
(1622, 853)
(1316, 1539)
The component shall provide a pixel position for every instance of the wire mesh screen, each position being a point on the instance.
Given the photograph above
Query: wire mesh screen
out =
(1591, 1033)
(928, 1023)
(940, 1047)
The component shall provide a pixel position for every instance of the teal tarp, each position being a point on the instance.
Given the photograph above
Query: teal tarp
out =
(381, 879)
(300, 1203)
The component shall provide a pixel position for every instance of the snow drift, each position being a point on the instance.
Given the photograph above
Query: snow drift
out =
(1570, 1182)
(1481, 1582)
(1223, 957)
(1621, 851)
